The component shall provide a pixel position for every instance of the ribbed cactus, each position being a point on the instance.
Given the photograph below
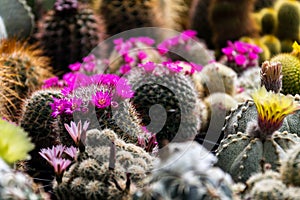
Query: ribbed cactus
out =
(231, 20)
(37, 121)
(69, 32)
(166, 100)
(242, 154)
(136, 13)
(108, 169)
(288, 17)
(177, 176)
(21, 23)
(290, 167)
(23, 70)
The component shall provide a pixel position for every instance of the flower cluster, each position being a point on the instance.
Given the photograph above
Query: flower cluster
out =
(99, 90)
(54, 157)
(242, 54)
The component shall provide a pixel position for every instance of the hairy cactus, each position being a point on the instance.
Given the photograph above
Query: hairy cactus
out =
(292, 193)
(231, 20)
(267, 189)
(288, 17)
(21, 23)
(177, 176)
(109, 168)
(23, 70)
(166, 100)
(136, 13)
(37, 121)
(69, 32)
(290, 168)
(243, 154)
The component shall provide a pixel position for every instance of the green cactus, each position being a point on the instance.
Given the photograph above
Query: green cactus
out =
(21, 23)
(242, 154)
(231, 20)
(286, 46)
(290, 71)
(268, 21)
(100, 172)
(290, 167)
(166, 100)
(267, 189)
(273, 43)
(23, 70)
(69, 32)
(259, 5)
(288, 17)
(177, 176)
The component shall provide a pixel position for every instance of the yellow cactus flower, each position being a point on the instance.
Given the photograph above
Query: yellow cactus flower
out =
(296, 49)
(272, 108)
(14, 143)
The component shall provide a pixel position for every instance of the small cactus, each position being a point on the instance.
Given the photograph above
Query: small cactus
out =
(267, 189)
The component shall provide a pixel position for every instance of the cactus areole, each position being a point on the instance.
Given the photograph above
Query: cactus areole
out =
(244, 154)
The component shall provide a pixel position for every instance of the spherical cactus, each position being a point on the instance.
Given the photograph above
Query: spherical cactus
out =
(267, 174)
(136, 13)
(268, 21)
(178, 177)
(23, 70)
(20, 24)
(243, 154)
(290, 71)
(249, 80)
(231, 20)
(69, 32)
(267, 189)
(290, 167)
(166, 100)
(288, 17)
(292, 193)
(216, 77)
(273, 43)
(37, 121)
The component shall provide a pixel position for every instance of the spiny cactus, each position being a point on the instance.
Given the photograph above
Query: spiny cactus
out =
(136, 13)
(288, 17)
(21, 23)
(267, 189)
(231, 20)
(108, 168)
(292, 193)
(23, 70)
(178, 177)
(290, 167)
(166, 100)
(69, 32)
(242, 154)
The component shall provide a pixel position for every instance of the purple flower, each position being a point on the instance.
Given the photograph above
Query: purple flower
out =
(54, 152)
(77, 132)
(162, 49)
(51, 82)
(71, 151)
(123, 89)
(124, 69)
(146, 40)
(89, 58)
(173, 67)
(188, 34)
(142, 55)
(75, 66)
(148, 66)
(240, 47)
(227, 50)
(109, 79)
(59, 106)
(89, 66)
(240, 60)
(74, 105)
(101, 99)
(128, 59)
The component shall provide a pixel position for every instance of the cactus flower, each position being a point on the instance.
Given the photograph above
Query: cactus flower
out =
(272, 108)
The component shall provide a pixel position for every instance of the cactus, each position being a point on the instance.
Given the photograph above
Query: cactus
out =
(231, 20)
(286, 46)
(290, 168)
(37, 121)
(69, 32)
(268, 21)
(243, 154)
(259, 5)
(267, 189)
(216, 77)
(20, 24)
(288, 17)
(136, 13)
(23, 70)
(291, 193)
(166, 100)
(267, 174)
(199, 21)
(178, 177)
(273, 43)
(108, 168)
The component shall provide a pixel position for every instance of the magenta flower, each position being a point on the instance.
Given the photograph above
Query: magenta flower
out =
(71, 151)
(109, 79)
(101, 99)
(241, 47)
(59, 106)
(124, 69)
(142, 55)
(51, 82)
(146, 40)
(240, 60)
(89, 58)
(173, 67)
(75, 66)
(89, 66)
(188, 34)
(77, 132)
(227, 51)
(128, 59)
(148, 66)
(123, 89)
(74, 105)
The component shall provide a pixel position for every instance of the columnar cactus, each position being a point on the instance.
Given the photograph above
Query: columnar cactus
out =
(69, 32)
(241, 154)
(23, 70)
(268, 21)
